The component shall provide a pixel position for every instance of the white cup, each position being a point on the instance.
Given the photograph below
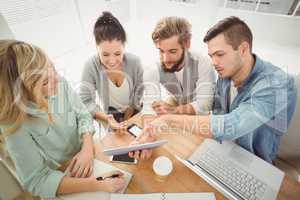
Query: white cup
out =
(162, 167)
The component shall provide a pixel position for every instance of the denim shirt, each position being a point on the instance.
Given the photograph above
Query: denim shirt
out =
(260, 113)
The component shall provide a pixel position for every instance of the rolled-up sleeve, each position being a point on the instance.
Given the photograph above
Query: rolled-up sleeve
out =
(265, 106)
(35, 176)
(152, 89)
(204, 91)
(83, 116)
(138, 87)
(88, 89)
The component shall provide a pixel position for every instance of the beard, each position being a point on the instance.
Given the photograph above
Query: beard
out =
(176, 67)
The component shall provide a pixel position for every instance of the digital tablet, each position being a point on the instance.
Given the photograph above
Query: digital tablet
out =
(136, 147)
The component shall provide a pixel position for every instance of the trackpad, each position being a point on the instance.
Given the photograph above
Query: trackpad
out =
(240, 156)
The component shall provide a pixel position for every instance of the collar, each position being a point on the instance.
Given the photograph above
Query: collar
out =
(33, 110)
(186, 59)
(257, 68)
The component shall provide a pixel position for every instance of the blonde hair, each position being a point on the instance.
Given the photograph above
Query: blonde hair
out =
(21, 67)
(172, 26)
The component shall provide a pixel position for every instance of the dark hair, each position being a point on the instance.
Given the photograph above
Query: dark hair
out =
(234, 29)
(108, 27)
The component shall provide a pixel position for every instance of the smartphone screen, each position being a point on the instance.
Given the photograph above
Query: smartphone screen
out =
(134, 130)
(123, 159)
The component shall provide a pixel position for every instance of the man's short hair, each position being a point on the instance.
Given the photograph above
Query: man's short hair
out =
(235, 32)
(172, 26)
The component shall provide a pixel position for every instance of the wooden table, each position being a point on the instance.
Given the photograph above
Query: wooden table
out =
(181, 179)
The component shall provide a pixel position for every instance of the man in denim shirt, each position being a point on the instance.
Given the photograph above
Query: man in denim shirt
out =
(258, 113)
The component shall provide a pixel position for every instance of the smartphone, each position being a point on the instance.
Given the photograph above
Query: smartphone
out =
(123, 159)
(134, 130)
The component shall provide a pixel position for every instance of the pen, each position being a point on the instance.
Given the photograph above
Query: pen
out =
(101, 178)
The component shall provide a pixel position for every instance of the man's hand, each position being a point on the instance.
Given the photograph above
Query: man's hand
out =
(148, 135)
(162, 108)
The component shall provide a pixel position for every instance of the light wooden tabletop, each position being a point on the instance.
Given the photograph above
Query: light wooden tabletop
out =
(181, 179)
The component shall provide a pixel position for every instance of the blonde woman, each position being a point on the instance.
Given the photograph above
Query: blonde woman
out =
(44, 124)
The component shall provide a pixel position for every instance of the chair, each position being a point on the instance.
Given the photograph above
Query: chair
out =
(289, 149)
(10, 187)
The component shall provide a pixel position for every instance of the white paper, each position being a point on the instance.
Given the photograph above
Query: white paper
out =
(100, 168)
(164, 196)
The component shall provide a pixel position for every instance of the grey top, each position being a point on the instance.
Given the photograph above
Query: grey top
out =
(94, 78)
(198, 84)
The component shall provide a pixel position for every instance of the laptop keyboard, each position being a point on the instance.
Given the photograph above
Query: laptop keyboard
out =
(231, 175)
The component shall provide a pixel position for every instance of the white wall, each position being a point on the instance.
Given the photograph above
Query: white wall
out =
(5, 32)
(275, 37)
(67, 36)
(283, 30)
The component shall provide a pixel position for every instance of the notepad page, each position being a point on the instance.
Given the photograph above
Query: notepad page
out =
(189, 196)
(164, 196)
(83, 196)
(100, 168)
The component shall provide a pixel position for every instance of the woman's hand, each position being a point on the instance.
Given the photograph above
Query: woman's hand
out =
(110, 184)
(119, 127)
(128, 113)
(81, 165)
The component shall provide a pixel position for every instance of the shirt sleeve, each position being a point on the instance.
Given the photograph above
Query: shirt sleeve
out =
(33, 172)
(83, 116)
(204, 91)
(266, 105)
(88, 89)
(139, 86)
(152, 89)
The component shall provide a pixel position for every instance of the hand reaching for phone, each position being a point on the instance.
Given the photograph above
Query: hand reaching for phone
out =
(118, 127)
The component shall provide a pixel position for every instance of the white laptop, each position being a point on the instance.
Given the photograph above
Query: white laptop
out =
(235, 172)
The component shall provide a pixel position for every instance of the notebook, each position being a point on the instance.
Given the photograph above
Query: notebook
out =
(164, 196)
(99, 169)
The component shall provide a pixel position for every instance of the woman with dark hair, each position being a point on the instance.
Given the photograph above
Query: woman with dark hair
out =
(115, 75)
